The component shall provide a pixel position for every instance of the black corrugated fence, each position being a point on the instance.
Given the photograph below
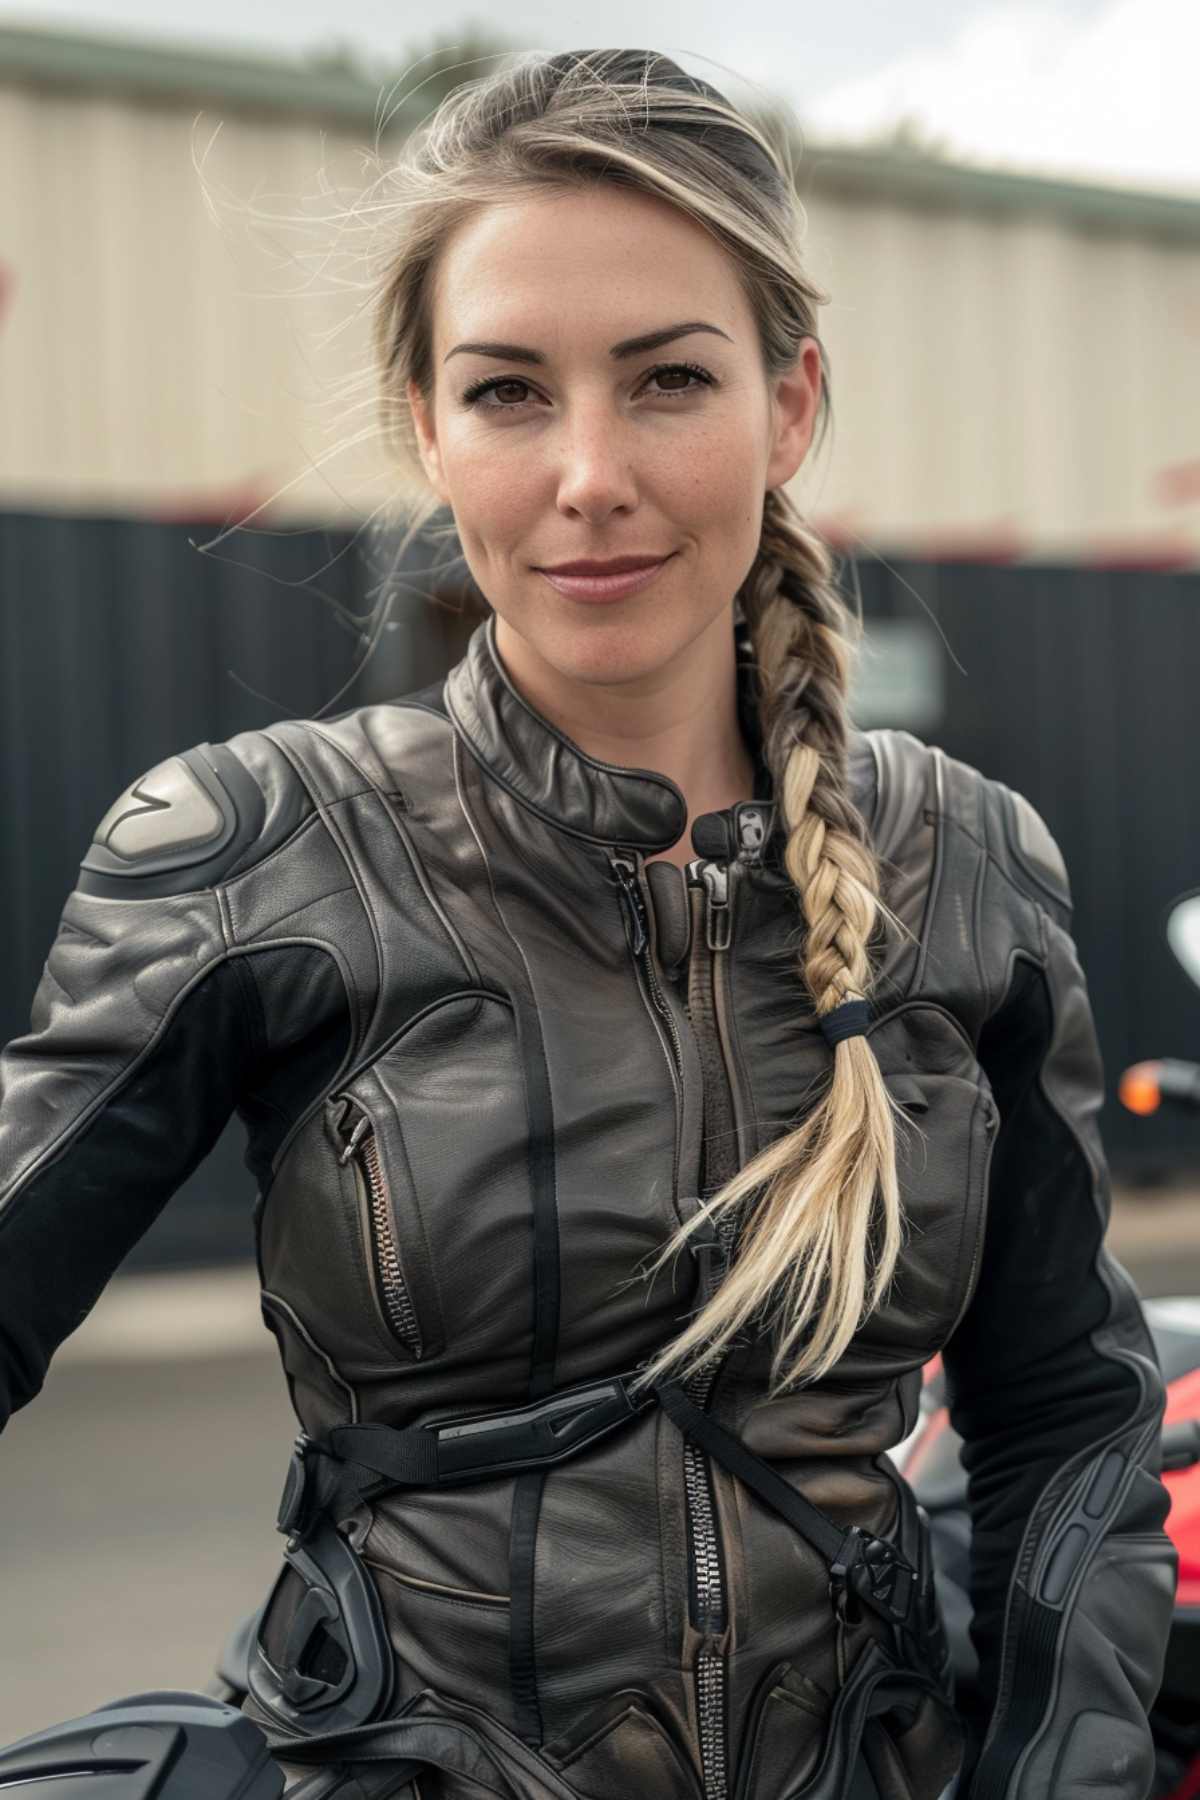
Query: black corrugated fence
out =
(122, 641)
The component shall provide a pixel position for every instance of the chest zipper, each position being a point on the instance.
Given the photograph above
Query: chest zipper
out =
(706, 1597)
(628, 873)
(354, 1127)
(710, 885)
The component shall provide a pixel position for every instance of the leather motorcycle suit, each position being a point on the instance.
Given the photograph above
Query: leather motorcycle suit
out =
(487, 1053)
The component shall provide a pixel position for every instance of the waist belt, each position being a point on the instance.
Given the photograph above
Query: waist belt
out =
(353, 1463)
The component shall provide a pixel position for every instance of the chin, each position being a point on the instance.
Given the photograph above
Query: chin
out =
(625, 651)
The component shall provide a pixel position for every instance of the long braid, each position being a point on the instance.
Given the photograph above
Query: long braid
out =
(811, 1239)
(798, 626)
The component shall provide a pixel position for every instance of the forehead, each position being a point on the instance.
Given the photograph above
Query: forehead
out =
(601, 259)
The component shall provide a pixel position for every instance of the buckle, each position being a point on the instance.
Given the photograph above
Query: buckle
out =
(875, 1573)
(290, 1519)
(534, 1436)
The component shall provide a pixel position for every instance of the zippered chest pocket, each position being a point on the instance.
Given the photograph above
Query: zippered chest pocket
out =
(431, 1154)
(398, 1263)
(361, 1151)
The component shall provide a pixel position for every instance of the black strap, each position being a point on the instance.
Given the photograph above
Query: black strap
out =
(728, 1450)
(869, 1567)
(357, 1462)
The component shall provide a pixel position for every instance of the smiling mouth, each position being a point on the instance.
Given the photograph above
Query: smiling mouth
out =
(597, 571)
(606, 587)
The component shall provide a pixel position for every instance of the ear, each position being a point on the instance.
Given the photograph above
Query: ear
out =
(427, 444)
(795, 400)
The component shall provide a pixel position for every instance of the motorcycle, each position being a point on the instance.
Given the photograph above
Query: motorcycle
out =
(178, 1745)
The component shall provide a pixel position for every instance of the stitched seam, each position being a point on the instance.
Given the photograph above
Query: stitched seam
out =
(268, 1298)
(252, 1005)
(223, 915)
(933, 890)
(310, 819)
(260, 943)
(420, 873)
(360, 1026)
(1030, 899)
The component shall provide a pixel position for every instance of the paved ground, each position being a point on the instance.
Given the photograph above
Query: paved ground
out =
(140, 1488)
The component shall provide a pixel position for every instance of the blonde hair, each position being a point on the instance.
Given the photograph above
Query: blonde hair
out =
(815, 1244)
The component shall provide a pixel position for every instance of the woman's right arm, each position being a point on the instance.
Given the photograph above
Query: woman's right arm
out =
(142, 1032)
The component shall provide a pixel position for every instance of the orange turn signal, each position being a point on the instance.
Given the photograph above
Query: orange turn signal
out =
(1139, 1088)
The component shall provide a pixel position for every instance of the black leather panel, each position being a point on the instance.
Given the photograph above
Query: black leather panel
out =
(111, 1140)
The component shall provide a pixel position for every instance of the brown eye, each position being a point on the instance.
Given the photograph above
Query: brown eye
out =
(480, 393)
(700, 375)
(508, 384)
(495, 382)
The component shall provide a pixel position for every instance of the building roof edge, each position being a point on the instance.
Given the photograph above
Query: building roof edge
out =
(334, 87)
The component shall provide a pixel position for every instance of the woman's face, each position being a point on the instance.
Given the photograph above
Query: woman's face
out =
(586, 454)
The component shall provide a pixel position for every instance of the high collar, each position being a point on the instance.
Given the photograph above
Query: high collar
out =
(549, 773)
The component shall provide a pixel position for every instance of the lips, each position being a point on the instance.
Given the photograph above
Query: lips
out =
(620, 565)
(596, 589)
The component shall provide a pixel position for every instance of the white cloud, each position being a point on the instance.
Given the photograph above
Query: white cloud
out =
(1111, 96)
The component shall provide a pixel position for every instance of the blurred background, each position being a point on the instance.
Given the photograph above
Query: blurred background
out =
(196, 526)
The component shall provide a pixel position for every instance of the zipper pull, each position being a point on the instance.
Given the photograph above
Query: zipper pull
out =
(626, 873)
(361, 1126)
(753, 822)
(714, 878)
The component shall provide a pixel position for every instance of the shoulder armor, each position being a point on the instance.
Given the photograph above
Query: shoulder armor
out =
(176, 829)
(1033, 847)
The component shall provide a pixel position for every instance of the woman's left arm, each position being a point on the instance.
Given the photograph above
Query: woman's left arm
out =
(1054, 1385)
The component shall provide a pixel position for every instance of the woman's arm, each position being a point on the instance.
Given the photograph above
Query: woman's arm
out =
(1055, 1388)
(140, 1035)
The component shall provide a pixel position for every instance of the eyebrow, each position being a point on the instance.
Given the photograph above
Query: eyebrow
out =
(627, 347)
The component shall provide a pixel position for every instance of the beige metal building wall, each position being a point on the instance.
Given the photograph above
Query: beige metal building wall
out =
(1016, 362)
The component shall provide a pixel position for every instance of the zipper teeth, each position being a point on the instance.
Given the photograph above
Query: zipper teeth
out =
(710, 1664)
(711, 1669)
(396, 1298)
(708, 1567)
(710, 1682)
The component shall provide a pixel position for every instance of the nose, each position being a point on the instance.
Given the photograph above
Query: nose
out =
(596, 467)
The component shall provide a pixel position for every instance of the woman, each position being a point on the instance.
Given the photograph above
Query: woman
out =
(645, 1074)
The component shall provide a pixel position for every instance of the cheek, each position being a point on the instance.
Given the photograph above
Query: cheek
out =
(721, 472)
(491, 492)
(723, 499)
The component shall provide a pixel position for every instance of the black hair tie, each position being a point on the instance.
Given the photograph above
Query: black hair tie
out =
(850, 1019)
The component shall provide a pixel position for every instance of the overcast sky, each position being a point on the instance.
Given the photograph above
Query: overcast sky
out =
(1099, 88)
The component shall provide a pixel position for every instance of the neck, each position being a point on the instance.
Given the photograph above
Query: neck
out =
(682, 723)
